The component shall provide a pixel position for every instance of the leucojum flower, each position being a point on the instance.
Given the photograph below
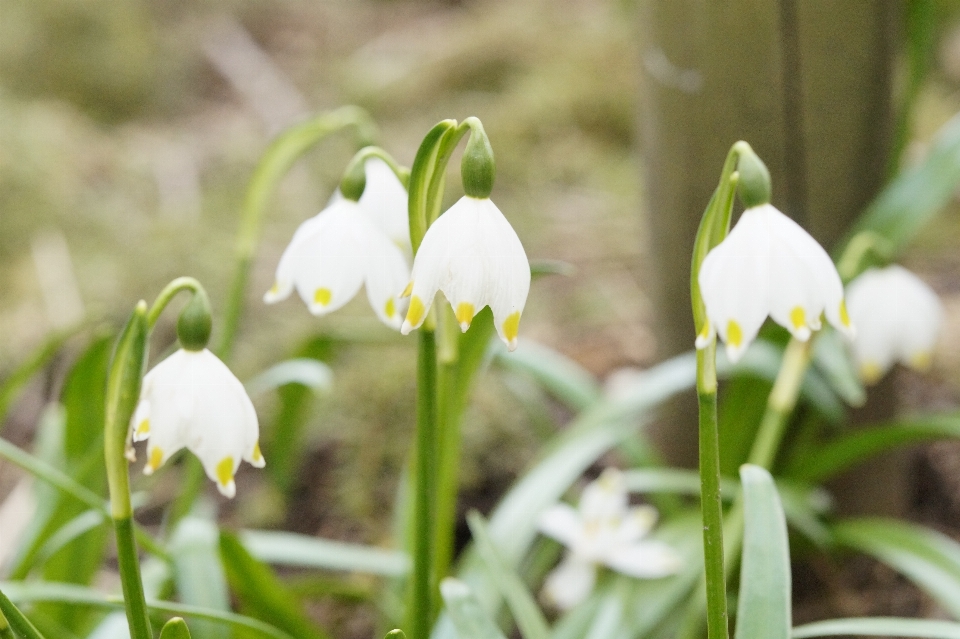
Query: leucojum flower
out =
(898, 319)
(351, 243)
(192, 400)
(768, 265)
(472, 255)
(603, 530)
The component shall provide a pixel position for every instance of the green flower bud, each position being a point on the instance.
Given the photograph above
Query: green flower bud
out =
(354, 179)
(195, 322)
(477, 168)
(754, 186)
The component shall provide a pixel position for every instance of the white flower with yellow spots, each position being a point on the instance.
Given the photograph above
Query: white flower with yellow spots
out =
(473, 255)
(192, 400)
(768, 265)
(898, 319)
(603, 530)
(348, 245)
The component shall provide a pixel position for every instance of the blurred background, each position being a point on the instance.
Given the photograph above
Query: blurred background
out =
(129, 129)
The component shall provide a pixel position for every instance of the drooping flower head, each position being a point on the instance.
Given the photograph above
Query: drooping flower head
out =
(192, 400)
(768, 265)
(352, 243)
(603, 530)
(472, 254)
(898, 319)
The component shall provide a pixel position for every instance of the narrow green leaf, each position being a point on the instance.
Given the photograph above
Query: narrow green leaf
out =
(539, 268)
(176, 628)
(468, 616)
(849, 450)
(262, 594)
(306, 372)
(832, 357)
(199, 573)
(291, 549)
(764, 607)
(879, 627)
(16, 619)
(37, 591)
(565, 379)
(525, 610)
(928, 558)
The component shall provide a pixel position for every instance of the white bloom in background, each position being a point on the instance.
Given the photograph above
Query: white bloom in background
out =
(192, 400)
(473, 255)
(898, 319)
(768, 265)
(350, 244)
(603, 530)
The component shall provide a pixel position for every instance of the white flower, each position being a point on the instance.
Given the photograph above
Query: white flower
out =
(192, 400)
(350, 244)
(898, 318)
(604, 530)
(474, 256)
(768, 265)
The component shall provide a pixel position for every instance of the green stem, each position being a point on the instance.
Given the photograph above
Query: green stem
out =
(133, 598)
(711, 507)
(448, 441)
(273, 166)
(168, 293)
(6, 632)
(780, 403)
(420, 610)
(14, 620)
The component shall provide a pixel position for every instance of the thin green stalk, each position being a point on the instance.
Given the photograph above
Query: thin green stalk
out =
(14, 620)
(273, 166)
(711, 507)
(780, 404)
(448, 444)
(6, 632)
(129, 565)
(422, 596)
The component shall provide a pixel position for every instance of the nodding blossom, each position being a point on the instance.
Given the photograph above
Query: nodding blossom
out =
(603, 530)
(473, 255)
(898, 319)
(768, 265)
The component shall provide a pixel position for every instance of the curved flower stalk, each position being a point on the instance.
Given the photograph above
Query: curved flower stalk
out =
(768, 265)
(192, 400)
(603, 530)
(349, 244)
(898, 319)
(473, 255)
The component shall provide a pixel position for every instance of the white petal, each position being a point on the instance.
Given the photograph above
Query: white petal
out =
(169, 409)
(386, 275)
(385, 199)
(570, 583)
(646, 559)
(734, 283)
(331, 262)
(561, 522)
(636, 524)
(604, 498)
(287, 266)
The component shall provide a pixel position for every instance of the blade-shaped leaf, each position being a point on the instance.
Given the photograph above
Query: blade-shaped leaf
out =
(468, 616)
(879, 627)
(565, 379)
(307, 372)
(764, 606)
(291, 549)
(176, 628)
(199, 573)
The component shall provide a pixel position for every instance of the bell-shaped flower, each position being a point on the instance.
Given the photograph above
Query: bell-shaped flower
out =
(898, 319)
(473, 255)
(605, 530)
(768, 265)
(192, 400)
(350, 244)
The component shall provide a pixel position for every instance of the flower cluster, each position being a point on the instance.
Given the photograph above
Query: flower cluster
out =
(603, 530)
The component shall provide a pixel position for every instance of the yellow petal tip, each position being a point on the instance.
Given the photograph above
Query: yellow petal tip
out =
(225, 471)
(734, 334)
(416, 311)
(464, 313)
(322, 296)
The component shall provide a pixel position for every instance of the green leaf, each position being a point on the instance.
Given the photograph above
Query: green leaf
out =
(198, 571)
(263, 595)
(37, 591)
(539, 268)
(306, 372)
(421, 177)
(525, 610)
(16, 619)
(824, 462)
(176, 628)
(915, 196)
(565, 379)
(468, 616)
(928, 558)
(879, 627)
(831, 357)
(764, 607)
(291, 549)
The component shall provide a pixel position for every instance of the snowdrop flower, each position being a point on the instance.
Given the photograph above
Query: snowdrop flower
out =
(604, 530)
(768, 265)
(473, 255)
(349, 244)
(192, 400)
(898, 318)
